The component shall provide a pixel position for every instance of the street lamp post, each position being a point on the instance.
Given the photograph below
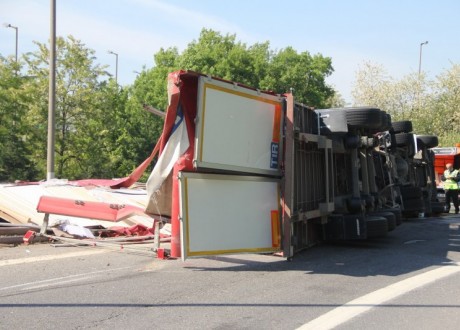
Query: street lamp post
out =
(16, 28)
(116, 65)
(420, 59)
(50, 158)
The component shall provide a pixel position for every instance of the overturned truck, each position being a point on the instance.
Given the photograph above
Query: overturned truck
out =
(246, 171)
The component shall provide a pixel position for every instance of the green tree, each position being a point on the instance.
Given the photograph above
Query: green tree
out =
(101, 128)
(224, 57)
(432, 106)
(445, 106)
(15, 160)
(372, 87)
(303, 73)
(143, 129)
(258, 66)
(336, 100)
(78, 106)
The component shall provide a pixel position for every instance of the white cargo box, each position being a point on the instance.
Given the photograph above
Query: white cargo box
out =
(237, 129)
(226, 214)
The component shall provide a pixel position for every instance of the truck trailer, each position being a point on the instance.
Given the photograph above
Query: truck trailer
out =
(242, 170)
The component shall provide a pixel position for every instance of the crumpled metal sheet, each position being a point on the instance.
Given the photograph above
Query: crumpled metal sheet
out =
(18, 203)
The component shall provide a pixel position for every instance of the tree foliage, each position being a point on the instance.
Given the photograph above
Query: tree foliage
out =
(15, 161)
(79, 114)
(432, 105)
(445, 104)
(101, 128)
(255, 65)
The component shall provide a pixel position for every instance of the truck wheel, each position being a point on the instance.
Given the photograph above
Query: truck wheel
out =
(403, 126)
(354, 204)
(404, 139)
(430, 141)
(397, 213)
(389, 123)
(437, 207)
(413, 205)
(393, 139)
(351, 141)
(409, 192)
(391, 219)
(376, 226)
(364, 117)
(386, 121)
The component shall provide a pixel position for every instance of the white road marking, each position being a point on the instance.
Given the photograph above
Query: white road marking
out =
(40, 286)
(362, 304)
(60, 280)
(50, 257)
(414, 241)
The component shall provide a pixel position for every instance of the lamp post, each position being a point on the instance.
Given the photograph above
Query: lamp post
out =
(116, 65)
(50, 159)
(420, 59)
(16, 28)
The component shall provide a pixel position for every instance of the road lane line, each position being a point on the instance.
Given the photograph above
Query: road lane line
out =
(50, 257)
(362, 304)
(60, 280)
(47, 285)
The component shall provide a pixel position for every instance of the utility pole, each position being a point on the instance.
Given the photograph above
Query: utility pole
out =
(420, 59)
(116, 65)
(17, 30)
(51, 94)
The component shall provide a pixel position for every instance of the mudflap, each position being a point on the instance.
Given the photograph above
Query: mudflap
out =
(345, 227)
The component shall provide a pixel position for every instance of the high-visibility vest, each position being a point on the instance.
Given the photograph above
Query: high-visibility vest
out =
(449, 183)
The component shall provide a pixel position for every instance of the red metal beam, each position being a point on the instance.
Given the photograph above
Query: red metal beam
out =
(85, 209)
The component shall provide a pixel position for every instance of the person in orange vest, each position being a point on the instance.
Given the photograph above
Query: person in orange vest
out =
(451, 177)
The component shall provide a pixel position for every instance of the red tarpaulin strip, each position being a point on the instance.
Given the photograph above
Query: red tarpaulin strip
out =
(137, 173)
(123, 182)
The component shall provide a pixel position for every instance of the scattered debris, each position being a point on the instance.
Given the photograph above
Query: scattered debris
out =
(36, 212)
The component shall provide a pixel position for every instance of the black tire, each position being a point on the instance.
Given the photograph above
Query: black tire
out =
(354, 226)
(389, 123)
(364, 117)
(393, 139)
(420, 144)
(437, 207)
(354, 205)
(403, 126)
(376, 226)
(414, 205)
(386, 121)
(391, 218)
(351, 141)
(404, 139)
(397, 214)
(410, 192)
(368, 200)
(429, 141)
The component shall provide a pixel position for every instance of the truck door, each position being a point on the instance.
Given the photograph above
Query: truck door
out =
(228, 214)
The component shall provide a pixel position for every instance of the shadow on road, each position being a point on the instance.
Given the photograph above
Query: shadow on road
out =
(416, 244)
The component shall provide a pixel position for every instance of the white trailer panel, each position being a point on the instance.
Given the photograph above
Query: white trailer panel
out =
(222, 214)
(237, 129)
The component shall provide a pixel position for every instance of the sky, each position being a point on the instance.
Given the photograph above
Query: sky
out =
(350, 32)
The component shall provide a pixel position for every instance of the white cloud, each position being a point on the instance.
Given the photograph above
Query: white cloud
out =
(191, 18)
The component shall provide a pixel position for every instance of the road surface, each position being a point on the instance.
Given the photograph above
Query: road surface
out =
(407, 280)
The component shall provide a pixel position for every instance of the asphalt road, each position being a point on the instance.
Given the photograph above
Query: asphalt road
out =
(407, 280)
